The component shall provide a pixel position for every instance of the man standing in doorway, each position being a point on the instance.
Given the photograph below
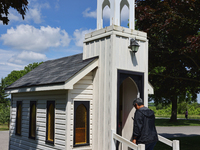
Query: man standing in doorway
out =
(144, 131)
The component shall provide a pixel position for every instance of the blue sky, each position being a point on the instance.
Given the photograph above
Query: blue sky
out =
(52, 29)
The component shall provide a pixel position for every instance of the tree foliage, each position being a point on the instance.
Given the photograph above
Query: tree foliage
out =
(15, 75)
(5, 113)
(172, 27)
(19, 5)
(3, 95)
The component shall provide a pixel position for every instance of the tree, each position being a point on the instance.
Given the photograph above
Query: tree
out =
(3, 95)
(19, 5)
(172, 27)
(5, 113)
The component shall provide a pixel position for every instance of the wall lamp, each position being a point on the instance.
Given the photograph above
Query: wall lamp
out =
(134, 46)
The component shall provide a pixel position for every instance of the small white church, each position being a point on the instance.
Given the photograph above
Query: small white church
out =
(84, 101)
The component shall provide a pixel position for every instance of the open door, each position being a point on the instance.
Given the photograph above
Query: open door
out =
(128, 92)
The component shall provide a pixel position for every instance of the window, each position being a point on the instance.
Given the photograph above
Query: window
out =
(81, 123)
(50, 122)
(32, 120)
(19, 118)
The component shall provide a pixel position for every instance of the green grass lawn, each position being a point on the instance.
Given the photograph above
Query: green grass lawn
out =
(3, 127)
(179, 116)
(166, 122)
(186, 143)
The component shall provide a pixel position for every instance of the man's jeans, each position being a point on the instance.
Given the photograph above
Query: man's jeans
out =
(150, 146)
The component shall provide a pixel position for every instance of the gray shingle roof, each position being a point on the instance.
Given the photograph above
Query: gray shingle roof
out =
(53, 72)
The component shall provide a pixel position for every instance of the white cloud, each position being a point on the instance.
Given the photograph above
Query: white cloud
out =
(13, 60)
(13, 16)
(34, 14)
(27, 57)
(26, 37)
(5, 66)
(92, 14)
(79, 35)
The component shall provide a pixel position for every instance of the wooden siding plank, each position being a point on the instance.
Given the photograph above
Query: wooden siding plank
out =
(78, 86)
(78, 96)
(60, 122)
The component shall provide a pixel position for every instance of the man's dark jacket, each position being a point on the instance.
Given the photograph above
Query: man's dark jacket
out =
(144, 126)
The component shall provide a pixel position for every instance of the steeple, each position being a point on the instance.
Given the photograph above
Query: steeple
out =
(115, 11)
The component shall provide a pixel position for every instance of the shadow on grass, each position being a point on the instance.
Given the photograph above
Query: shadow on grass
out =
(166, 122)
(176, 135)
(186, 143)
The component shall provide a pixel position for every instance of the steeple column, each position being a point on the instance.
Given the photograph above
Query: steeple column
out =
(99, 14)
(132, 14)
(115, 12)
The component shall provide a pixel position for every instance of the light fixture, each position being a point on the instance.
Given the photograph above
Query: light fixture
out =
(134, 46)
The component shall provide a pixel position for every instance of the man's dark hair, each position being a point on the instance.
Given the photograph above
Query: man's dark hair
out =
(138, 101)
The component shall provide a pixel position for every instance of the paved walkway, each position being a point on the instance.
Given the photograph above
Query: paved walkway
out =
(4, 138)
(170, 132)
(167, 132)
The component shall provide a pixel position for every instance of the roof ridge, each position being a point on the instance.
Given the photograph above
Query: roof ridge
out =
(64, 57)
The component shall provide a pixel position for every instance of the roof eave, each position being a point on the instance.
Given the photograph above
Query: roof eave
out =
(60, 86)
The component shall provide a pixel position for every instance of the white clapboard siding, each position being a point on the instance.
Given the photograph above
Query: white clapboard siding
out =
(23, 142)
(111, 45)
(82, 91)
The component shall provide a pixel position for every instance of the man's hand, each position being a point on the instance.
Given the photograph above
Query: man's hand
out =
(134, 141)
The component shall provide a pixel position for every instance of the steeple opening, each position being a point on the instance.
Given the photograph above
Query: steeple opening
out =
(116, 9)
(124, 16)
(106, 16)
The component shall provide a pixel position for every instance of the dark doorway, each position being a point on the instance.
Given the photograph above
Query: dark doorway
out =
(130, 86)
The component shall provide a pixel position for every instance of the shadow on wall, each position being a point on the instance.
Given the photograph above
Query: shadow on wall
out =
(134, 58)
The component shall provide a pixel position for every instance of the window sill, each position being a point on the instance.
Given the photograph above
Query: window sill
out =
(18, 134)
(33, 138)
(49, 142)
(83, 147)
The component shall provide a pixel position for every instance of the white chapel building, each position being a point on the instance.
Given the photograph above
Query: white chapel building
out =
(84, 101)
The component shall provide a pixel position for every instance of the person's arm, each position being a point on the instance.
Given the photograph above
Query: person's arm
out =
(138, 124)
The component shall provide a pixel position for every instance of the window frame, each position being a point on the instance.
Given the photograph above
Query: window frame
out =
(17, 105)
(30, 118)
(87, 105)
(47, 118)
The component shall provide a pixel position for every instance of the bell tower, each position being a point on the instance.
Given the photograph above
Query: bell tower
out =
(115, 11)
(121, 76)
